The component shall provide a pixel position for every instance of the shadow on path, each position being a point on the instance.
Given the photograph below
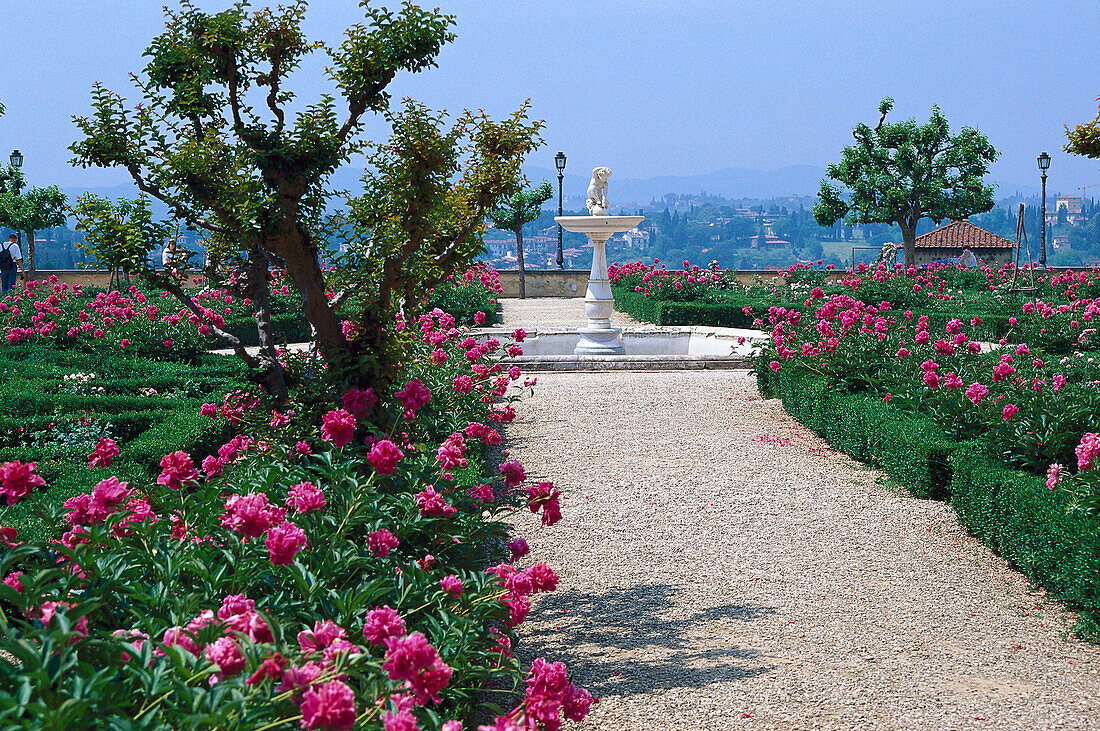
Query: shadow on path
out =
(638, 641)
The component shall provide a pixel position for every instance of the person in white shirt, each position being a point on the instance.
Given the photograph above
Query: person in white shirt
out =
(968, 259)
(12, 257)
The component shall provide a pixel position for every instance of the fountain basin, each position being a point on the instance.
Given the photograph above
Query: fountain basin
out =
(646, 348)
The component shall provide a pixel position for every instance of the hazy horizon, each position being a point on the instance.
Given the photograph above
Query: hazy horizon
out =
(648, 88)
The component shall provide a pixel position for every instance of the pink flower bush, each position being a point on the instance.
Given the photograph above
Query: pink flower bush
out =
(384, 456)
(18, 479)
(338, 427)
(1054, 475)
(359, 402)
(544, 496)
(225, 653)
(976, 392)
(1009, 411)
(414, 396)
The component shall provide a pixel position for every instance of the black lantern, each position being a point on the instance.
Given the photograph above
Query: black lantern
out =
(1044, 163)
(559, 163)
(16, 159)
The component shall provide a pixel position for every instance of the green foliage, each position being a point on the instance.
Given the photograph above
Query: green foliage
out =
(1084, 139)
(463, 300)
(213, 138)
(519, 207)
(900, 172)
(30, 211)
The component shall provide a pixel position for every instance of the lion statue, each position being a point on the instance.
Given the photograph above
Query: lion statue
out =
(597, 192)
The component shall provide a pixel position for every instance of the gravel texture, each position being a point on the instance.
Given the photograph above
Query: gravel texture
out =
(723, 568)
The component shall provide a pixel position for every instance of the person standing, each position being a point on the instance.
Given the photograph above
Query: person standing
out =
(968, 259)
(10, 258)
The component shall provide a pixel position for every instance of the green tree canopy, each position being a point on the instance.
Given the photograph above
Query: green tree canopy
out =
(900, 172)
(213, 137)
(1084, 139)
(30, 211)
(514, 210)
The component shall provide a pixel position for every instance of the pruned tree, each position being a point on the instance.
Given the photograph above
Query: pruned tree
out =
(900, 172)
(516, 209)
(30, 211)
(1084, 139)
(213, 139)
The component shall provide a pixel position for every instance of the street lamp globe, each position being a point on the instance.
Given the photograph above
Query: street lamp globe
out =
(559, 161)
(16, 159)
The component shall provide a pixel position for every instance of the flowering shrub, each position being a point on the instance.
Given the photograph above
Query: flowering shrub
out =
(318, 571)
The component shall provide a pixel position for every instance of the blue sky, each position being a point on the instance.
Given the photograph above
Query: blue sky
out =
(648, 87)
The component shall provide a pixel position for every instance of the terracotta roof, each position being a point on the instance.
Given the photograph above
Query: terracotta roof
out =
(962, 234)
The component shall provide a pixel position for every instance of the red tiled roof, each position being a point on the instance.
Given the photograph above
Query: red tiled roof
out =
(962, 234)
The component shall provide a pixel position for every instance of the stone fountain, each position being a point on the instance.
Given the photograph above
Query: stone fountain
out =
(599, 338)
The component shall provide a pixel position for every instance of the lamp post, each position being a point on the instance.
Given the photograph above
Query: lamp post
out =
(16, 160)
(559, 163)
(1044, 163)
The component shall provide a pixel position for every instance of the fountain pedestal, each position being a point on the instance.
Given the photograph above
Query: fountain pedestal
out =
(599, 338)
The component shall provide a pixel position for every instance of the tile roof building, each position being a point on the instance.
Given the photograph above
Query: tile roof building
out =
(948, 242)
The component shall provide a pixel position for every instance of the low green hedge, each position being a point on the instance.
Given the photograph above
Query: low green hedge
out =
(1033, 527)
(1010, 511)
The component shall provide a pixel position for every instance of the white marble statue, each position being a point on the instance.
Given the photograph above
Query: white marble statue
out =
(597, 192)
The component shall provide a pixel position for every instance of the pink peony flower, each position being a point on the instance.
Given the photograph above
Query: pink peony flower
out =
(513, 473)
(272, 666)
(1054, 475)
(384, 456)
(18, 479)
(383, 623)
(547, 497)
(209, 410)
(278, 420)
(284, 541)
(251, 515)
(519, 548)
(976, 392)
(452, 585)
(479, 317)
(452, 453)
(305, 496)
(413, 660)
(542, 577)
(1009, 411)
(177, 469)
(401, 720)
(462, 384)
(105, 451)
(1087, 451)
(381, 542)
(338, 427)
(226, 655)
(322, 635)
(212, 466)
(432, 504)
(413, 396)
(329, 706)
(302, 448)
(359, 402)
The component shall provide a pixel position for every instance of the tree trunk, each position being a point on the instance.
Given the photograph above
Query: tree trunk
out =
(909, 242)
(28, 261)
(519, 261)
(304, 270)
(273, 375)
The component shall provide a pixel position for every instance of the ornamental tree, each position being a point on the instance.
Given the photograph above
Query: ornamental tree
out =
(30, 211)
(214, 138)
(900, 172)
(1084, 139)
(516, 209)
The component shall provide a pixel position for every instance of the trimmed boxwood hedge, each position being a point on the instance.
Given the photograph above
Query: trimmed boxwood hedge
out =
(1010, 511)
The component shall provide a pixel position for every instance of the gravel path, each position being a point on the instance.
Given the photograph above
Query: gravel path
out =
(722, 568)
